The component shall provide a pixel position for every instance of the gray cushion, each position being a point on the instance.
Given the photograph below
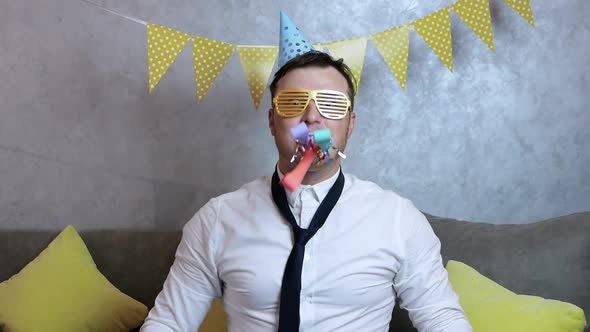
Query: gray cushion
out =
(549, 258)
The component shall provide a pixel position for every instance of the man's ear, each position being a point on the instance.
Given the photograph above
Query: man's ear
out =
(351, 123)
(271, 121)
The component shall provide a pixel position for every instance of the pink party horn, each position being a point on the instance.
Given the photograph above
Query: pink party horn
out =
(292, 180)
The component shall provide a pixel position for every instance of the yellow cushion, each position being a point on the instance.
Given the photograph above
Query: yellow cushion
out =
(491, 307)
(216, 319)
(62, 290)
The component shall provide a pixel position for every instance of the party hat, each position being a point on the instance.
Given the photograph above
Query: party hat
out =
(292, 42)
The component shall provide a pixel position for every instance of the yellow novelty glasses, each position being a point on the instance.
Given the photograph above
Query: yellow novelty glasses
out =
(292, 102)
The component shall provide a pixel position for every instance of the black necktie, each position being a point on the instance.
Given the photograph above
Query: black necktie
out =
(291, 287)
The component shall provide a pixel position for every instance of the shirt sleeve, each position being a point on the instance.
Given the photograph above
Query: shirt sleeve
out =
(422, 283)
(192, 282)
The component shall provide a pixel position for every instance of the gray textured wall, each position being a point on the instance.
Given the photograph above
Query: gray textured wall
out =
(503, 139)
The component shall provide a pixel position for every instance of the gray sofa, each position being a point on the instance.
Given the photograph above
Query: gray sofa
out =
(549, 258)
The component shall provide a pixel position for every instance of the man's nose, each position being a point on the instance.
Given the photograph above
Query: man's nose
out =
(311, 115)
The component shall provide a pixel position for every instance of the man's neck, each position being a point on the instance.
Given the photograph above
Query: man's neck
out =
(315, 176)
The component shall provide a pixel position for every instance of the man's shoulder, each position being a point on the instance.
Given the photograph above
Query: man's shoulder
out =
(386, 201)
(358, 186)
(255, 188)
(241, 198)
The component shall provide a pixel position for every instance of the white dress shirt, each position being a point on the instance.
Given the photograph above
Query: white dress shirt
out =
(374, 246)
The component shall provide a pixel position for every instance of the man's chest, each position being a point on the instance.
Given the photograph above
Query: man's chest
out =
(348, 262)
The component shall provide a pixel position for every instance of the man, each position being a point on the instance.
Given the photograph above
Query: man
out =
(370, 247)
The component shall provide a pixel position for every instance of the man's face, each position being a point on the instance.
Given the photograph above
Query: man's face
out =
(312, 78)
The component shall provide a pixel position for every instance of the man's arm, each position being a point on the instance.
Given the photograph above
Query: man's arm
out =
(422, 282)
(192, 283)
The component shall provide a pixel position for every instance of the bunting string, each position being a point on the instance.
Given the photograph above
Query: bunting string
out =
(164, 44)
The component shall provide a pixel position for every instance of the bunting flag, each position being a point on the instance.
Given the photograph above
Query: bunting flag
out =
(318, 47)
(209, 57)
(352, 51)
(393, 45)
(164, 45)
(435, 29)
(523, 8)
(476, 14)
(257, 62)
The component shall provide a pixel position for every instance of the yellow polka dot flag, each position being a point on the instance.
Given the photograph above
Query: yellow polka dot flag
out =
(393, 45)
(257, 62)
(164, 45)
(476, 14)
(209, 57)
(523, 8)
(435, 29)
(352, 51)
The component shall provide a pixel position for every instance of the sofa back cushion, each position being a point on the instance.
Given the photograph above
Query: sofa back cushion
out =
(136, 262)
(550, 258)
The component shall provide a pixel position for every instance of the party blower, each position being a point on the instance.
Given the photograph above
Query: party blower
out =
(316, 150)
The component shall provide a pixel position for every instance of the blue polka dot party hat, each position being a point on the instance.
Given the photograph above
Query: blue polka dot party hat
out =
(292, 42)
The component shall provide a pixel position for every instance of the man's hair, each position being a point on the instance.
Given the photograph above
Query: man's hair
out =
(316, 59)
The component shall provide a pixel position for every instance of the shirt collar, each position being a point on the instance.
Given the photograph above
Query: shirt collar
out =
(320, 190)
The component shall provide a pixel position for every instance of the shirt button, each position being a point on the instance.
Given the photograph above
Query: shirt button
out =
(307, 257)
